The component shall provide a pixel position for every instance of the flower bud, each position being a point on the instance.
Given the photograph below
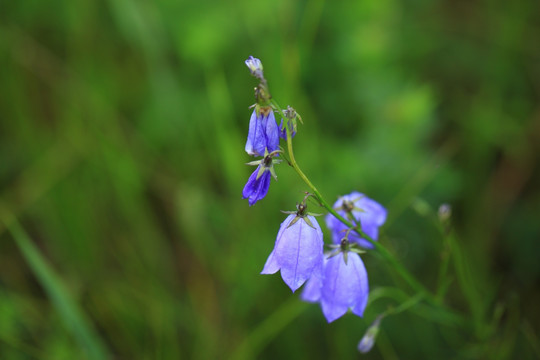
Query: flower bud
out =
(255, 67)
(368, 340)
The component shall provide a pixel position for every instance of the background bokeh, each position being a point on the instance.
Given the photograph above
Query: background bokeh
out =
(122, 132)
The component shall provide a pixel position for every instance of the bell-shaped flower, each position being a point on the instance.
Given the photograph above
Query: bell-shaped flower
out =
(263, 131)
(298, 251)
(362, 211)
(342, 284)
(258, 183)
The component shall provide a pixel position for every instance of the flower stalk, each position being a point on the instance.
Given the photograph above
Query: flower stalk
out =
(381, 250)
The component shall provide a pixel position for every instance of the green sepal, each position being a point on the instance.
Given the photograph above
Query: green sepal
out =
(358, 251)
(293, 222)
(273, 172)
(333, 254)
(254, 163)
(306, 219)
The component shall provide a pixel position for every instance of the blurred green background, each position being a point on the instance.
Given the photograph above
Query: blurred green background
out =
(122, 127)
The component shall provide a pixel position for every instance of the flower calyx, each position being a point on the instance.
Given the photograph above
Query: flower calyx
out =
(302, 213)
(266, 163)
(344, 247)
(289, 118)
(348, 206)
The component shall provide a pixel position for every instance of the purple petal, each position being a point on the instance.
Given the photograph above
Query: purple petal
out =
(256, 189)
(337, 227)
(371, 217)
(298, 251)
(271, 132)
(345, 286)
(373, 212)
(312, 289)
(255, 67)
(256, 141)
(363, 284)
(271, 266)
(333, 311)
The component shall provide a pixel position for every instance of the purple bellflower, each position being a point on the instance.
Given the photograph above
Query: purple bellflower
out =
(298, 251)
(258, 183)
(360, 210)
(341, 285)
(263, 131)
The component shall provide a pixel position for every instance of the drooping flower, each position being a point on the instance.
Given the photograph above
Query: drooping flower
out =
(257, 186)
(342, 285)
(298, 251)
(255, 67)
(360, 210)
(258, 183)
(263, 131)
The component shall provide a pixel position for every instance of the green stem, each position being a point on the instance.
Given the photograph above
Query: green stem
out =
(382, 251)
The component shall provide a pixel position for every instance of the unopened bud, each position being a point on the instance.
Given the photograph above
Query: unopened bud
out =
(445, 212)
(255, 67)
(368, 340)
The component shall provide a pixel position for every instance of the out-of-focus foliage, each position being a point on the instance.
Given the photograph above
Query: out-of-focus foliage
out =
(122, 132)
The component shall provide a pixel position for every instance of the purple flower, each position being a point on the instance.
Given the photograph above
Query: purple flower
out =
(312, 289)
(258, 183)
(342, 285)
(255, 67)
(298, 251)
(263, 131)
(257, 186)
(361, 210)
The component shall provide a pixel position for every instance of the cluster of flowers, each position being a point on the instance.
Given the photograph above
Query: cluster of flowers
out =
(263, 136)
(337, 280)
